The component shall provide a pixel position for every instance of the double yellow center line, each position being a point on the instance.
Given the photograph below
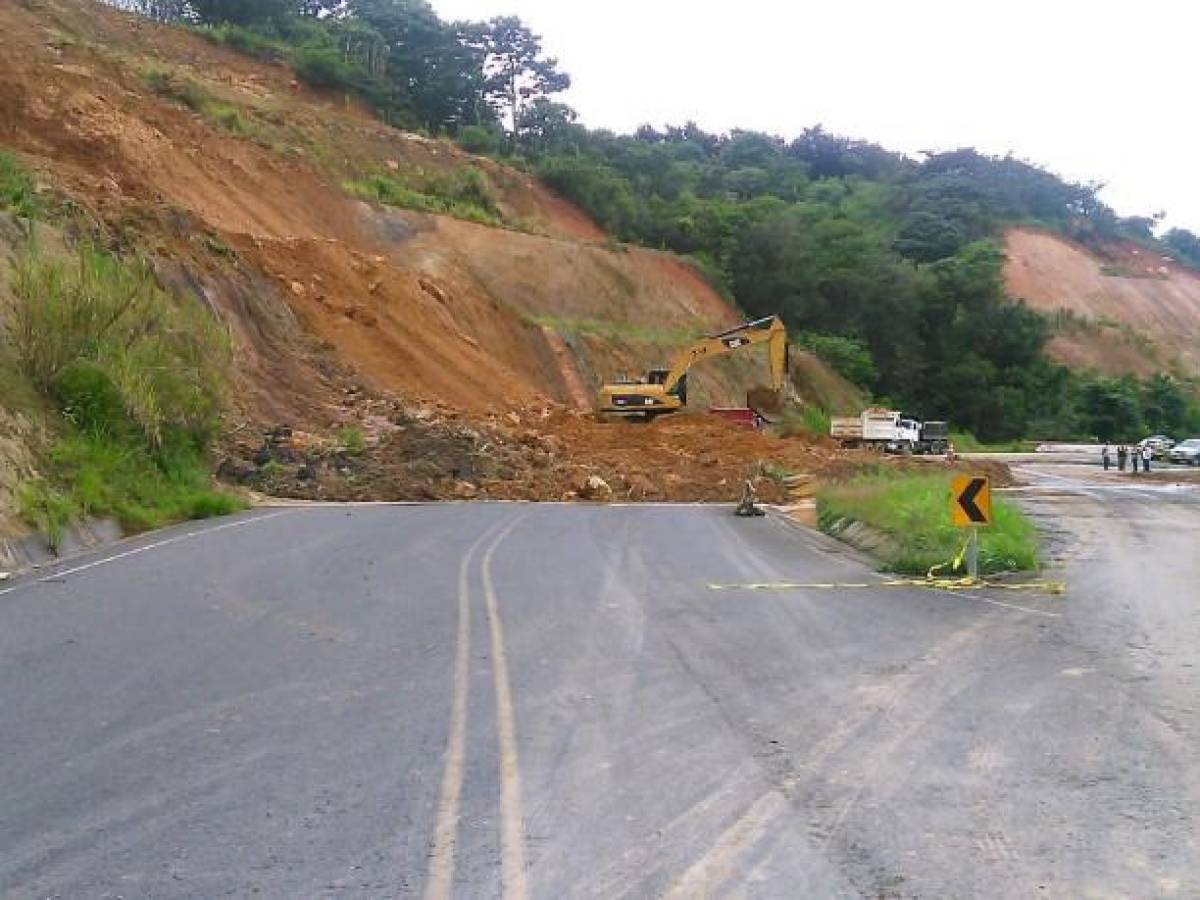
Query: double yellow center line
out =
(439, 883)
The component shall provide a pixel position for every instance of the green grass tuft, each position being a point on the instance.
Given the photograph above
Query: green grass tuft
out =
(167, 83)
(47, 509)
(100, 337)
(913, 510)
(18, 193)
(464, 194)
(247, 41)
(809, 421)
(966, 442)
(351, 439)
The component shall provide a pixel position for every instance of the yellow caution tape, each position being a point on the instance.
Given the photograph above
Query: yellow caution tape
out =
(954, 564)
(1054, 588)
(930, 581)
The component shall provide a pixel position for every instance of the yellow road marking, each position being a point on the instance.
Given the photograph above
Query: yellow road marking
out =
(952, 585)
(439, 881)
(512, 819)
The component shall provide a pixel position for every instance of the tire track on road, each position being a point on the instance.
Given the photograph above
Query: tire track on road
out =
(720, 861)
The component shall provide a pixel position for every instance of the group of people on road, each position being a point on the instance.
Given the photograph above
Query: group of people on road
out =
(1135, 456)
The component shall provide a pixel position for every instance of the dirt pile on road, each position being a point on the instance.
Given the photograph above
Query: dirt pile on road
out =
(1128, 310)
(534, 454)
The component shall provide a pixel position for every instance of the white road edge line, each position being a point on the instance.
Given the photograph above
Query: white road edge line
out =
(66, 573)
(512, 818)
(439, 879)
(1018, 607)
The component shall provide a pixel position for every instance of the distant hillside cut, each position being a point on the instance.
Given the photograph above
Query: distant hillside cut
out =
(1131, 310)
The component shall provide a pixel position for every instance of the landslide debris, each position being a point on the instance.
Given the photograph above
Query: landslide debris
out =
(542, 454)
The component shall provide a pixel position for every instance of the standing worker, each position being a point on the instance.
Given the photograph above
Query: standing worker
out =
(1147, 455)
(1106, 455)
(1122, 454)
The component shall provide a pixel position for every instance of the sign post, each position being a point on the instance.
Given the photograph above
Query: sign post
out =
(973, 555)
(971, 507)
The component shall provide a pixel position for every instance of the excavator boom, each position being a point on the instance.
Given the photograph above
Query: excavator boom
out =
(665, 391)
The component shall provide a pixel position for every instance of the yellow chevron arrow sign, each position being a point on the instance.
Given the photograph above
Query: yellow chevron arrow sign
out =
(971, 501)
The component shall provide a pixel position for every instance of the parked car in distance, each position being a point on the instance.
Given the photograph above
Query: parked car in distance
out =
(1187, 452)
(1159, 445)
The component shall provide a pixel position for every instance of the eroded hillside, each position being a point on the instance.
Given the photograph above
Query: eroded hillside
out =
(423, 304)
(238, 184)
(1127, 311)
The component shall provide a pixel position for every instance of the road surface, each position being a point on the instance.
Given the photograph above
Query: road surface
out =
(549, 702)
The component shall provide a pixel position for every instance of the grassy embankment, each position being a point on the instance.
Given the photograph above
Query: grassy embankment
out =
(912, 509)
(130, 381)
(965, 442)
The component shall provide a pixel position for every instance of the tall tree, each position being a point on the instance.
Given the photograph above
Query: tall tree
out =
(516, 72)
(430, 65)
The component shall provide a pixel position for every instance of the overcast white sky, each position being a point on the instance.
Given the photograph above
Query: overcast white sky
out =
(1104, 90)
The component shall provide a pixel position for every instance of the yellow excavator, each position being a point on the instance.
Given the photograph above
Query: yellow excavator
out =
(665, 390)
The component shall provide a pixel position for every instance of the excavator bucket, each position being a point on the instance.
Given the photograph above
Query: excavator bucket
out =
(764, 400)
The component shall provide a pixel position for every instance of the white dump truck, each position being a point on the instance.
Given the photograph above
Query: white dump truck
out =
(890, 431)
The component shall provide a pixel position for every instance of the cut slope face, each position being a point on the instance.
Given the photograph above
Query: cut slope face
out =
(331, 301)
(1131, 312)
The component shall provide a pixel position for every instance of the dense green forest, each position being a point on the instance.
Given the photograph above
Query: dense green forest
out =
(885, 265)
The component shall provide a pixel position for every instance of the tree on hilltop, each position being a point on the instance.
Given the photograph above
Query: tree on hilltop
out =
(515, 71)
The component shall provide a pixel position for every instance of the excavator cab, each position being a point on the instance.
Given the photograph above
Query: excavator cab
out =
(660, 376)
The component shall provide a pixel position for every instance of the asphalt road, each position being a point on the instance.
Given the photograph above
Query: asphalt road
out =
(501, 700)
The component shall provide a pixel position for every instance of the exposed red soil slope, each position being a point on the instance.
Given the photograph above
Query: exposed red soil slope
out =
(339, 308)
(1140, 312)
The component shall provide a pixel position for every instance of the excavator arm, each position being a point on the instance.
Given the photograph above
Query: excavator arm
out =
(769, 330)
(664, 391)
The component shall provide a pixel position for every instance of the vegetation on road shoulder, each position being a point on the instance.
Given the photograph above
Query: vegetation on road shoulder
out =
(966, 442)
(912, 510)
(139, 380)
